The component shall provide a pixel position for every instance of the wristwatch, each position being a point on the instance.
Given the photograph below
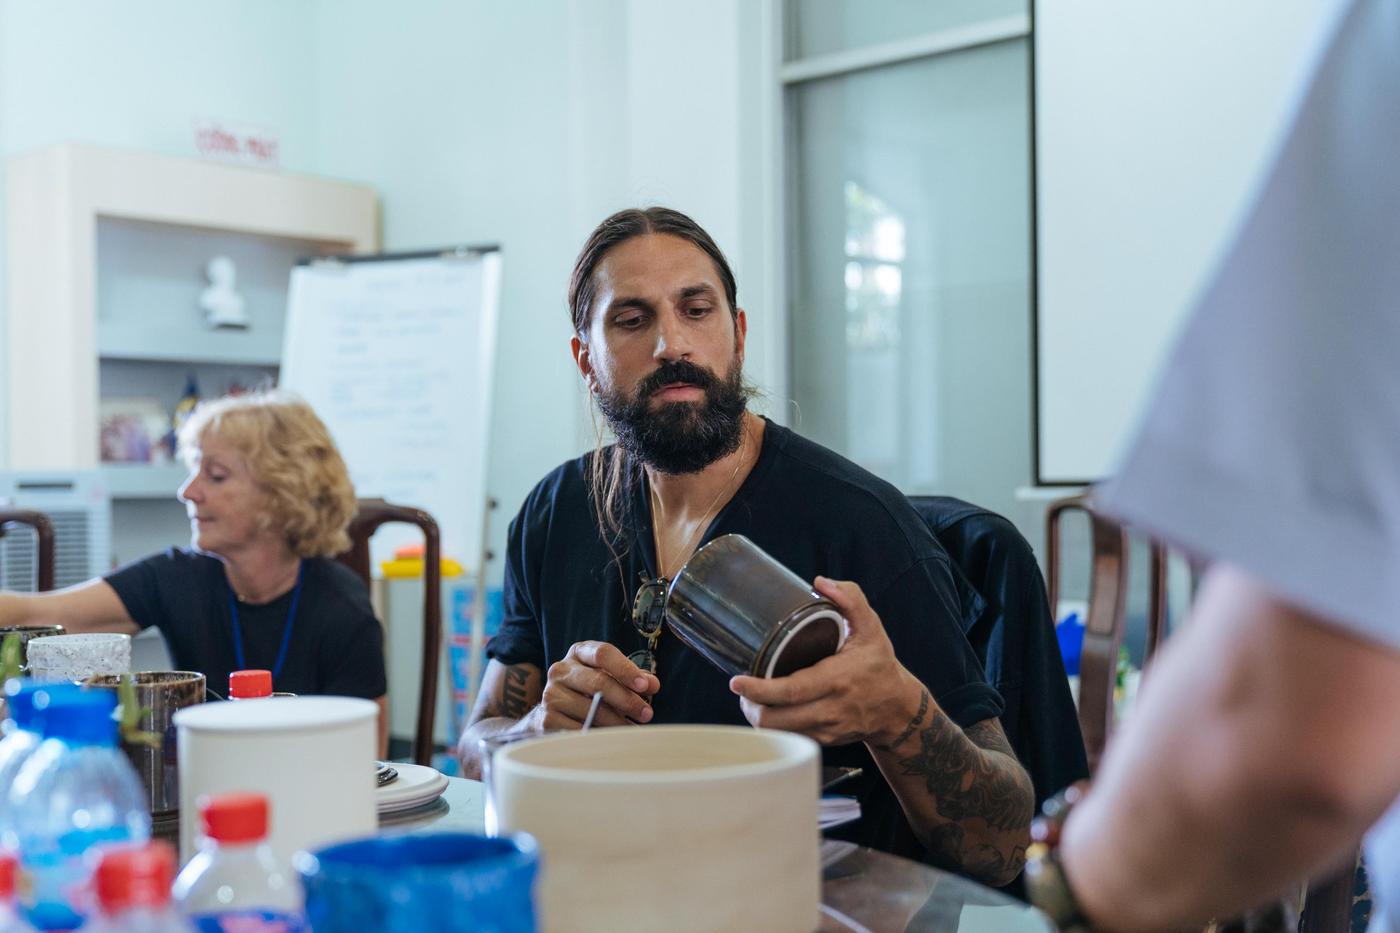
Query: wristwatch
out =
(1046, 882)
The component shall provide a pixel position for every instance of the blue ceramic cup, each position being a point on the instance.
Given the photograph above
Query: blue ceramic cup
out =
(424, 881)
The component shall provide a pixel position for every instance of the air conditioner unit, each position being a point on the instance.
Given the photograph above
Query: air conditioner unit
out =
(77, 504)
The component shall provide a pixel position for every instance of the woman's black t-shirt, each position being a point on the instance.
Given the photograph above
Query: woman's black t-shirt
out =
(336, 646)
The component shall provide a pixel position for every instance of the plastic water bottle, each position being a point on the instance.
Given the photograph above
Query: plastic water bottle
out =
(23, 731)
(235, 882)
(10, 921)
(133, 891)
(75, 794)
(21, 739)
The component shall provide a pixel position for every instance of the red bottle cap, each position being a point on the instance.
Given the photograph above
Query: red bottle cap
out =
(248, 685)
(234, 817)
(135, 876)
(7, 877)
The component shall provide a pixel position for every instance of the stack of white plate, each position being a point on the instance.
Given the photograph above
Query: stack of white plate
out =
(416, 786)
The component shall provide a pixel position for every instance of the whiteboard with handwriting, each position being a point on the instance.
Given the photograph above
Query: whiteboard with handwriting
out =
(396, 355)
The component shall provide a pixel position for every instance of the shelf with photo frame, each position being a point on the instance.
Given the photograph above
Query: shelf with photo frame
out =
(138, 399)
(155, 344)
(108, 311)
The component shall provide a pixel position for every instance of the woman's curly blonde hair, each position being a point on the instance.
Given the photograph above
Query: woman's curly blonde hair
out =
(294, 461)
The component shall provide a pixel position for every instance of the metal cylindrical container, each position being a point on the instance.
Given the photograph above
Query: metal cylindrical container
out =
(748, 614)
(159, 695)
(25, 633)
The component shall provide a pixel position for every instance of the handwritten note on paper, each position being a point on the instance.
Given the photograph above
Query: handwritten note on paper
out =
(397, 357)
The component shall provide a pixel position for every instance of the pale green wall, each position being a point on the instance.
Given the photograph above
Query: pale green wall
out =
(140, 74)
(526, 124)
(519, 123)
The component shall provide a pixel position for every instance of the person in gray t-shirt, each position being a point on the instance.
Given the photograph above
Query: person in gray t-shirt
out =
(1267, 740)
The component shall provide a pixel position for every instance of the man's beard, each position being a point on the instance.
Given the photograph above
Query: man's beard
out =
(679, 437)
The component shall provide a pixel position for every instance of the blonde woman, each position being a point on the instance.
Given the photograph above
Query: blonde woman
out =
(269, 500)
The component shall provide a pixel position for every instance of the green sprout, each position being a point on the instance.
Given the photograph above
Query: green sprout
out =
(9, 657)
(129, 713)
(1125, 667)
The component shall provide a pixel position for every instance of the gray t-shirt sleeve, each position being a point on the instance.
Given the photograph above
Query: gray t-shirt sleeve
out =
(1274, 438)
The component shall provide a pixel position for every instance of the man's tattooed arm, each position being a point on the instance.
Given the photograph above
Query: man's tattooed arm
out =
(514, 699)
(965, 794)
(507, 694)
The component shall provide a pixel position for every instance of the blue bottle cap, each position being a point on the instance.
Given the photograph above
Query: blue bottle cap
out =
(77, 716)
(27, 701)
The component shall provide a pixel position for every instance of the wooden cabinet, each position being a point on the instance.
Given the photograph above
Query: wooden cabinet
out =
(105, 261)
(105, 252)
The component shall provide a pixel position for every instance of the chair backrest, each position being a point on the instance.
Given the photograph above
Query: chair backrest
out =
(43, 531)
(373, 513)
(1105, 618)
(1328, 907)
(1014, 637)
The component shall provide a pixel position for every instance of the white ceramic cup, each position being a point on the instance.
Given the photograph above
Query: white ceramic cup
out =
(310, 756)
(674, 828)
(74, 657)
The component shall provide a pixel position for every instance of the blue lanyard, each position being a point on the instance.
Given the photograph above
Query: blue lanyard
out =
(286, 631)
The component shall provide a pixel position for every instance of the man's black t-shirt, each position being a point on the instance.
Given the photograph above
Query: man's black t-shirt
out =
(336, 647)
(815, 512)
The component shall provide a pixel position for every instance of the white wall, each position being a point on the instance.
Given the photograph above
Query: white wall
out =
(1154, 123)
(140, 74)
(522, 124)
(525, 125)
(457, 114)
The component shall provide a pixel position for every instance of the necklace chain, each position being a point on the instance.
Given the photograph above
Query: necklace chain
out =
(704, 519)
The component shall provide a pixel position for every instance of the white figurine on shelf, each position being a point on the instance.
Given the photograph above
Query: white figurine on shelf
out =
(222, 304)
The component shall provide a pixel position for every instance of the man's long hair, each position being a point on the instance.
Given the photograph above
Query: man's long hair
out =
(609, 474)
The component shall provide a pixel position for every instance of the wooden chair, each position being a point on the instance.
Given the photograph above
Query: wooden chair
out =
(1104, 617)
(372, 514)
(43, 531)
(1327, 907)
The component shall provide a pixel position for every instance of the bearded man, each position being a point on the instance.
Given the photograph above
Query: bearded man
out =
(659, 341)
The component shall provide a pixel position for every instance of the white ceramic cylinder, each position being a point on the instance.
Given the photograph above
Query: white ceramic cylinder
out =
(75, 657)
(312, 756)
(676, 828)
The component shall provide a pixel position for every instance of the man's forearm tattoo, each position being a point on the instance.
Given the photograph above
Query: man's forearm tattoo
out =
(513, 702)
(913, 724)
(989, 861)
(945, 844)
(963, 782)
